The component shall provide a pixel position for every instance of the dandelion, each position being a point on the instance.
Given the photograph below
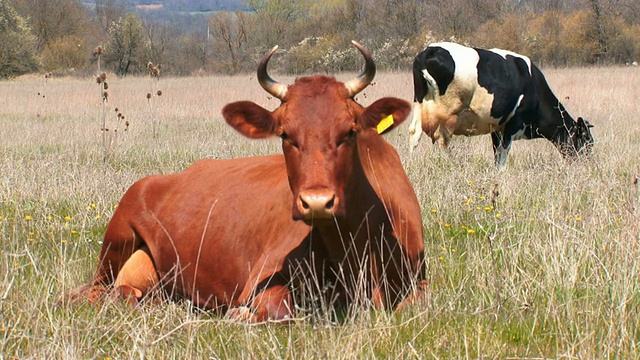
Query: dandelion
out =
(74, 232)
(498, 215)
(471, 231)
(434, 211)
(98, 217)
(488, 208)
(453, 250)
(68, 218)
(28, 217)
(578, 218)
(1, 218)
(441, 258)
(447, 225)
(64, 241)
(470, 182)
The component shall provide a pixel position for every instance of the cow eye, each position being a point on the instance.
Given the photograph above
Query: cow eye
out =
(348, 137)
(289, 140)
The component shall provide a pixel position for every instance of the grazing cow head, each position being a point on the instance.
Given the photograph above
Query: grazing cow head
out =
(582, 138)
(578, 140)
(319, 122)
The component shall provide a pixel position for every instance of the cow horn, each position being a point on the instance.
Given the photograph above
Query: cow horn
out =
(271, 86)
(358, 84)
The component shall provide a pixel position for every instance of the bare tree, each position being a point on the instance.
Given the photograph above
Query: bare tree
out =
(275, 21)
(53, 19)
(230, 32)
(125, 49)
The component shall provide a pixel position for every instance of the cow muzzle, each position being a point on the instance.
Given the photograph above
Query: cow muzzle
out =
(317, 204)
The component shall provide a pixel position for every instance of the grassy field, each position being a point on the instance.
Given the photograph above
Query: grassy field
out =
(548, 268)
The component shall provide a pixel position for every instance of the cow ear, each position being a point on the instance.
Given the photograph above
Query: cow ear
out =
(250, 119)
(385, 114)
(584, 123)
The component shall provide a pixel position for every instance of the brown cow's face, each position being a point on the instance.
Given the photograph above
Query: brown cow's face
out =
(318, 125)
(318, 140)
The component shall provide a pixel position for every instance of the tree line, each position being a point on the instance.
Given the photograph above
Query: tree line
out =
(59, 35)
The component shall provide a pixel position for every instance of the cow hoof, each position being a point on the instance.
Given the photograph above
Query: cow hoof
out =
(128, 294)
(240, 314)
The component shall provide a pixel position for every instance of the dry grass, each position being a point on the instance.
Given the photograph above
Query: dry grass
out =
(548, 268)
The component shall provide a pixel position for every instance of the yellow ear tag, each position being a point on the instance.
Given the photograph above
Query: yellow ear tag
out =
(384, 124)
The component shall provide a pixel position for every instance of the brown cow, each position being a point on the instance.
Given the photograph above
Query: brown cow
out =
(245, 236)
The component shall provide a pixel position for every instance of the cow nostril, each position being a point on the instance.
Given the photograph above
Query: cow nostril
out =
(330, 203)
(304, 204)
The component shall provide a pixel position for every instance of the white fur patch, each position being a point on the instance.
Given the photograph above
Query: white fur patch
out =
(519, 135)
(466, 60)
(513, 112)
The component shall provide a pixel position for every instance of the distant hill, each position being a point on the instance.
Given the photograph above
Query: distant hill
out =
(184, 5)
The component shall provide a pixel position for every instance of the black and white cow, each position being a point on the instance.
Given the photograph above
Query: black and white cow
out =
(467, 91)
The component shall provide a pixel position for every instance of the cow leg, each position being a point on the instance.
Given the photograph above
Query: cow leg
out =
(119, 244)
(274, 303)
(415, 128)
(443, 137)
(137, 277)
(419, 296)
(501, 147)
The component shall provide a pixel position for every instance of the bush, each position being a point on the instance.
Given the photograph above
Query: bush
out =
(66, 53)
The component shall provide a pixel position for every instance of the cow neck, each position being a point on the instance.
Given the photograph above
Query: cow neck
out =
(555, 123)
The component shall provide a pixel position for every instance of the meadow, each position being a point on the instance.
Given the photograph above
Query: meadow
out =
(536, 260)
